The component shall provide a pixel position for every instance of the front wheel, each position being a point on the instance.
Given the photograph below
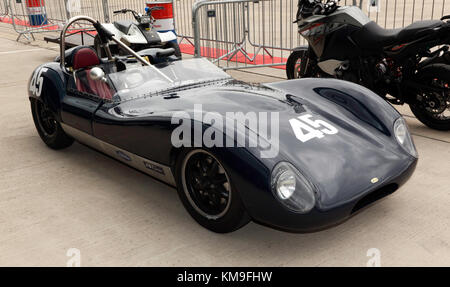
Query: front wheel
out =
(302, 64)
(296, 64)
(206, 191)
(48, 127)
(432, 106)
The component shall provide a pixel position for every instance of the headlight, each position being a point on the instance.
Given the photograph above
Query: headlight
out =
(404, 137)
(292, 189)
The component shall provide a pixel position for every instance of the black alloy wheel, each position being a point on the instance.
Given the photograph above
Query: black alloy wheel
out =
(432, 106)
(207, 192)
(48, 127)
(206, 184)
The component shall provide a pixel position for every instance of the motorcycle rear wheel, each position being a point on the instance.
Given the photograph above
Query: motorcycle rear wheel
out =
(430, 107)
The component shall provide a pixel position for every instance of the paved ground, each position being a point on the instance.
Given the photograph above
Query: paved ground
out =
(77, 198)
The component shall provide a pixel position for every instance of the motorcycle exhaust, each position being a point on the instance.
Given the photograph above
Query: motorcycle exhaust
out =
(441, 55)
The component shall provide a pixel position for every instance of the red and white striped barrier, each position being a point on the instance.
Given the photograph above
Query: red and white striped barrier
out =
(36, 12)
(163, 18)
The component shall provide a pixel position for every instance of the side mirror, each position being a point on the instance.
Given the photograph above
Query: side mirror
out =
(97, 74)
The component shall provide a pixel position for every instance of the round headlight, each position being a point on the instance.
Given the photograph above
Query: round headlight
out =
(292, 189)
(404, 137)
(286, 185)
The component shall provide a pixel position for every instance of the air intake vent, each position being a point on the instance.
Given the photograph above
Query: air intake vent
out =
(374, 196)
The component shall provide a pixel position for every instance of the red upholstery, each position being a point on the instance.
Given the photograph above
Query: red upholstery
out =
(84, 58)
(86, 85)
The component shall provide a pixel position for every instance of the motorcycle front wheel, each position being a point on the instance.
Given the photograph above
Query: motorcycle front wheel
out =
(301, 64)
(431, 106)
(296, 64)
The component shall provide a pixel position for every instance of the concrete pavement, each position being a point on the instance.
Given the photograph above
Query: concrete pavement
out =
(51, 201)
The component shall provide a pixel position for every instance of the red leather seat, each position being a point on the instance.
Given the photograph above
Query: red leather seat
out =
(84, 59)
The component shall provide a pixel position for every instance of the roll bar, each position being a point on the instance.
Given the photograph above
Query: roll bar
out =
(105, 37)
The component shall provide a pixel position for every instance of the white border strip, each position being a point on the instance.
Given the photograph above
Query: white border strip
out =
(147, 166)
(22, 51)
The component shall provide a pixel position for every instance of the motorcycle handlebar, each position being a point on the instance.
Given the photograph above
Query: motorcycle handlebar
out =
(147, 9)
(123, 11)
(318, 9)
(323, 9)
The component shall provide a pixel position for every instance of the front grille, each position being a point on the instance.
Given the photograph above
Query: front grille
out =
(374, 196)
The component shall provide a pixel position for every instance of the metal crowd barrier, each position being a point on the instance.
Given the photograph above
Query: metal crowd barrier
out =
(97, 9)
(221, 32)
(233, 33)
(238, 34)
(34, 16)
(55, 13)
(45, 16)
(182, 10)
(3, 8)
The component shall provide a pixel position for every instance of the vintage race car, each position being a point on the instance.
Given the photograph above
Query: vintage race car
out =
(293, 159)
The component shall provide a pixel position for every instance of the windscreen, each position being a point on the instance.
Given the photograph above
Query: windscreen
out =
(144, 81)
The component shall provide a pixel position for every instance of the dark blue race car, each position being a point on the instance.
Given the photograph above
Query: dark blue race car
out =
(296, 159)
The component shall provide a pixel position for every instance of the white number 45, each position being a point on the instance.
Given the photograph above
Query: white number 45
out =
(37, 82)
(306, 129)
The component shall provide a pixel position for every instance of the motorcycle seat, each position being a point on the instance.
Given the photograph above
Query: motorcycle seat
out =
(373, 36)
(418, 29)
(123, 26)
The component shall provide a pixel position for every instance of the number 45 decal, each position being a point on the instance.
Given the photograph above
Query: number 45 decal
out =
(305, 128)
(37, 82)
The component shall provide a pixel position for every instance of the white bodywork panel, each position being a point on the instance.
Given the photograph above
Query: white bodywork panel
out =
(330, 66)
(135, 36)
(167, 36)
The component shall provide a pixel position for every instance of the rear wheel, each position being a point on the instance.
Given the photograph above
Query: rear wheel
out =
(207, 193)
(48, 127)
(432, 106)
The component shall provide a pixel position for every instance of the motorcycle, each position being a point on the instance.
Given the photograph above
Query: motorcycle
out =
(409, 65)
(138, 35)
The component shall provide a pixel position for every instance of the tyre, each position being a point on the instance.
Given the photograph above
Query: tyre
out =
(48, 127)
(432, 107)
(296, 64)
(207, 193)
